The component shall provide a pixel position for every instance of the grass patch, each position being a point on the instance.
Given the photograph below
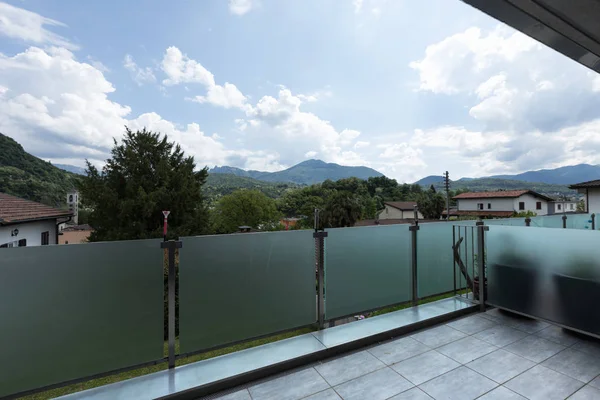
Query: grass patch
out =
(421, 301)
(49, 394)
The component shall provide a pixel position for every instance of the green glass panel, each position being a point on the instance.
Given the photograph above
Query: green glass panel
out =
(551, 221)
(237, 287)
(72, 311)
(548, 273)
(366, 268)
(435, 257)
(506, 222)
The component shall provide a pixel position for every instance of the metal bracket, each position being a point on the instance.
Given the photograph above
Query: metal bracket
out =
(320, 234)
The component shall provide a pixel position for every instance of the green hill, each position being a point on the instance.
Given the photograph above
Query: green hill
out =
(29, 177)
(219, 184)
(492, 184)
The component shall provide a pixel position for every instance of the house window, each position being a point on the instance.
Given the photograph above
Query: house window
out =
(572, 206)
(480, 206)
(45, 238)
(521, 205)
(489, 206)
(558, 206)
(22, 242)
(538, 205)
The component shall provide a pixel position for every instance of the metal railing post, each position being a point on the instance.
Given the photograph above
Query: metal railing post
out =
(564, 218)
(481, 228)
(593, 222)
(527, 221)
(171, 246)
(413, 270)
(319, 237)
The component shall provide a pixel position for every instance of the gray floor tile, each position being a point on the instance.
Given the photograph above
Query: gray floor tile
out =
(378, 385)
(501, 365)
(349, 367)
(527, 325)
(558, 335)
(501, 335)
(586, 393)
(534, 348)
(458, 384)
(541, 383)
(424, 367)
(501, 393)
(398, 350)
(290, 387)
(588, 345)
(596, 382)
(438, 336)
(328, 394)
(412, 394)
(472, 324)
(576, 364)
(467, 349)
(239, 395)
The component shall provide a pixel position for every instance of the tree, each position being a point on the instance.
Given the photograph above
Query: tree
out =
(145, 175)
(581, 206)
(430, 204)
(245, 208)
(342, 209)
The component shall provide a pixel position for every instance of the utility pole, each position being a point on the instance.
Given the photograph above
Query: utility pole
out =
(447, 187)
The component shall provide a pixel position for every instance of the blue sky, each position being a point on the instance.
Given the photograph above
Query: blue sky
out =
(411, 88)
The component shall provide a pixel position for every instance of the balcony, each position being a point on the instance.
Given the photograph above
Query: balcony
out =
(80, 312)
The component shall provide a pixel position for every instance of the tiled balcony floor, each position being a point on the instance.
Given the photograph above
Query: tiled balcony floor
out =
(488, 356)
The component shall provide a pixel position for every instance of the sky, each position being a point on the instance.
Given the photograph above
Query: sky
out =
(410, 88)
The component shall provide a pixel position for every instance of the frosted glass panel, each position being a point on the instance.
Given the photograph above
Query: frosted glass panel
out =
(549, 273)
(435, 258)
(579, 221)
(237, 287)
(72, 311)
(366, 268)
(506, 222)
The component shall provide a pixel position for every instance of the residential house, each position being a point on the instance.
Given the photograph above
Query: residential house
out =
(27, 223)
(562, 207)
(399, 210)
(591, 194)
(500, 204)
(289, 223)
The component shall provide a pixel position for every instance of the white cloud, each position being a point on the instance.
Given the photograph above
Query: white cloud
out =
(358, 4)
(18, 23)
(240, 7)
(310, 154)
(48, 96)
(138, 74)
(361, 144)
(179, 68)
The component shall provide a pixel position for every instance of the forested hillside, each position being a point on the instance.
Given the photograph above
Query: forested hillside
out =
(29, 177)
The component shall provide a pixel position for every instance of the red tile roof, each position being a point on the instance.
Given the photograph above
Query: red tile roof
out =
(499, 194)
(402, 205)
(14, 209)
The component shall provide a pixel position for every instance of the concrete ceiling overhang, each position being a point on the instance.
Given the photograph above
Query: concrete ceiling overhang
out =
(571, 27)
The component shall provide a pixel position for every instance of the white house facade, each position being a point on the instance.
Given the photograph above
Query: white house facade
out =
(501, 203)
(591, 192)
(27, 223)
(399, 210)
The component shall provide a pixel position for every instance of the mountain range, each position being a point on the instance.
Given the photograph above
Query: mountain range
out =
(306, 173)
(558, 176)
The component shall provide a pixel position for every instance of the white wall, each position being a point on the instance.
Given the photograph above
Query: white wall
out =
(594, 200)
(530, 203)
(499, 204)
(32, 231)
(394, 213)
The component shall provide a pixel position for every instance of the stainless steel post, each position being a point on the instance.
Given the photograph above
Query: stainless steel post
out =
(320, 261)
(481, 263)
(527, 221)
(564, 218)
(413, 270)
(171, 245)
(593, 222)
(453, 258)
